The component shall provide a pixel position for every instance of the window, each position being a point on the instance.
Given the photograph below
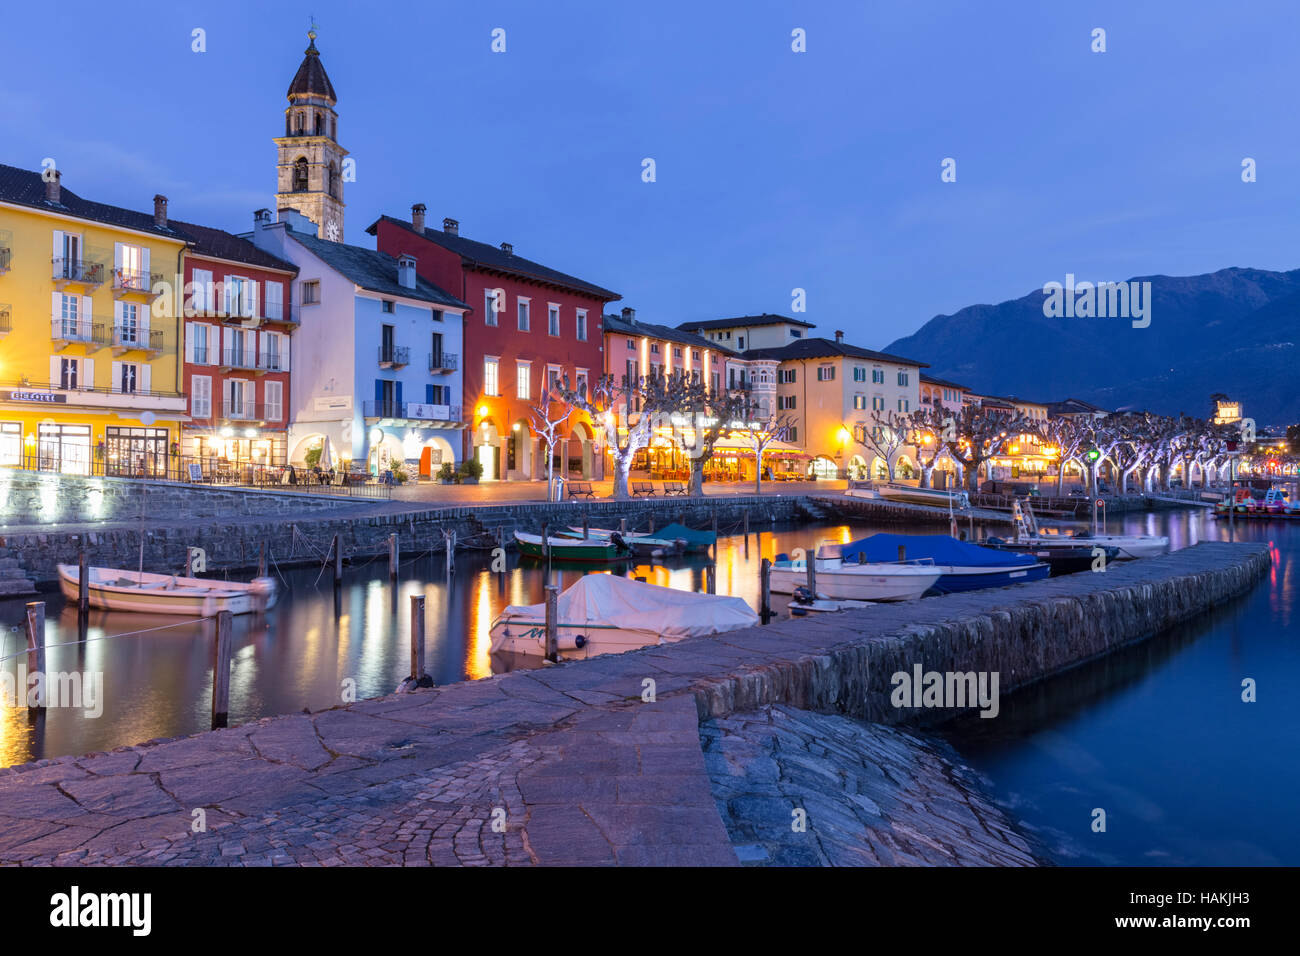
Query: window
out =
(784, 402)
(654, 348)
(273, 392)
(523, 386)
(490, 366)
(523, 315)
(241, 297)
(201, 396)
(904, 405)
(126, 377)
(677, 353)
(631, 343)
(740, 342)
(582, 325)
(860, 401)
(389, 306)
(902, 378)
(69, 315)
(695, 354)
(275, 300)
(300, 174)
(877, 403)
(792, 434)
(717, 381)
(553, 319)
(272, 357)
(11, 443)
(69, 371)
(878, 376)
(859, 373)
(203, 294)
(785, 376)
(580, 381)
(826, 373)
(494, 302)
(64, 448)
(796, 333)
(126, 329)
(135, 451)
(554, 377)
(311, 293)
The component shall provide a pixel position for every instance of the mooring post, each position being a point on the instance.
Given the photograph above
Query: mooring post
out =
(746, 524)
(417, 637)
(337, 547)
(546, 541)
(622, 526)
(811, 561)
(711, 578)
(36, 653)
(715, 535)
(83, 584)
(552, 623)
(221, 671)
(261, 560)
(765, 590)
(392, 557)
(652, 523)
(584, 524)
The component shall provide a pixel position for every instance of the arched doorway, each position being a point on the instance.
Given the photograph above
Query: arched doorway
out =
(386, 452)
(823, 468)
(435, 453)
(519, 452)
(904, 468)
(487, 449)
(879, 469)
(581, 452)
(308, 443)
(858, 468)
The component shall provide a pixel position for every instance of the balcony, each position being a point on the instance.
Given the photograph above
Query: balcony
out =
(98, 398)
(132, 282)
(65, 332)
(252, 412)
(88, 275)
(6, 322)
(440, 362)
(238, 359)
(412, 412)
(394, 356)
(272, 362)
(6, 257)
(125, 338)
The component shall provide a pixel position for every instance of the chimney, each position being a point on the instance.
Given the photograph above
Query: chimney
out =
(629, 314)
(160, 211)
(406, 272)
(451, 227)
(53, 191)
(839, 336)
(261, 218)
(417, 217)
(507, 248)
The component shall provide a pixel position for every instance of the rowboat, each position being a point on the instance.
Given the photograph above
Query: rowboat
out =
(609, 614)
(866, 581)
(112, 589)
(649, 545)
(960, 565)
(573, 548)
(916, 496)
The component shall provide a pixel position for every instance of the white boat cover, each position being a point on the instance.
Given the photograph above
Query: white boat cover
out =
(636, 606)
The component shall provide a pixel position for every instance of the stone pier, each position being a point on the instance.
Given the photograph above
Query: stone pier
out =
(602, 761)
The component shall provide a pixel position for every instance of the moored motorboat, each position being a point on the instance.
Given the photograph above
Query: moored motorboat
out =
(1064, 557)
(573, 548)
(961, 566)
(910, 495)
(113, 589)
(648, 545)
(606, 613)
(1126, 545)
(840, 580)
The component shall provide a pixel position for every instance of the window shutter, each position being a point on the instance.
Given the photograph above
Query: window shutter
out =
(428, 395)
(189, 343)
(86, 314)
(117, 376)
(144, 266)
(56, 370)
(87, 378)
(379, 390)
(145, 378)
(56, 305)
(284, 353)
(58, 244)
(250, 397)
(399, 394)
(226, 291)
(254, 306)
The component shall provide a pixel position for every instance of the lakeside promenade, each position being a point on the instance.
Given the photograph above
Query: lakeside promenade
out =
(577, 764)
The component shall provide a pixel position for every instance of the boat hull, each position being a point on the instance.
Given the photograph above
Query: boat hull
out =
(166, 594)
(861, 583)
(528, 639)
(955, 580)
(571, 549)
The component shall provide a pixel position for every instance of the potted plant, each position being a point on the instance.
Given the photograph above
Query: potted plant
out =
(399, 474)
(446, 474)
(471, 470)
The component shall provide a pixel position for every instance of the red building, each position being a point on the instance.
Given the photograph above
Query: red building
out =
(238, 321)
(531, 325)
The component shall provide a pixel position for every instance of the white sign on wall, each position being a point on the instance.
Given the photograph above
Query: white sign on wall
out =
(334, 403)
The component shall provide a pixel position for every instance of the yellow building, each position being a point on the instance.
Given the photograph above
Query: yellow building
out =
(89, 374)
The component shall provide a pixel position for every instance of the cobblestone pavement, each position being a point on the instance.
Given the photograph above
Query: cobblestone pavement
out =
(591, 762)
(801, 789)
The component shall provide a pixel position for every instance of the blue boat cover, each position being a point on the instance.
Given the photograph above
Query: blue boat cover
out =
(671, 532)
(941, 548)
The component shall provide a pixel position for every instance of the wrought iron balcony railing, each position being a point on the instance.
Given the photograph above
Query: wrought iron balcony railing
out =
(412, 411)
(74, 330)
(6, 257)
(78, 270)
(251, 412)
(125, 338)
(131, 280)
(394, 355)
(238, 358)
(272, 362)
(442, 361)
(6, 324)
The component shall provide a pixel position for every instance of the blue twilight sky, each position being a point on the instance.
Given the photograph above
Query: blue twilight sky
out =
(775, 169)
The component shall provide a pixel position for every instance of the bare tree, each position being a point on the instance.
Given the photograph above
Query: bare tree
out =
(886, 438)
(708, 415)
(546, 423)
(980, 434)
(761, 433)
(930, 425)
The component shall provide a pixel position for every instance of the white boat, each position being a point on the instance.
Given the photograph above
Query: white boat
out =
(1128, 545)
(854, 582)
(648, 545)
(112, 589)
(609, 614)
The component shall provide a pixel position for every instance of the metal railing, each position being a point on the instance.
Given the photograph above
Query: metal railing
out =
(442, 361)
(74, 330)
(78, 270)
(415, 411)
(96, 389)
(239, 358)
(159, 466)
(395, 355)
(133, 280)
(126, 337)
(6, 256)
(251, 412)
(272, 362)
(5, 319)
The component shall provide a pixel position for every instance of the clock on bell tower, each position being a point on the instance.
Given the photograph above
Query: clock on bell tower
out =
(311, 162)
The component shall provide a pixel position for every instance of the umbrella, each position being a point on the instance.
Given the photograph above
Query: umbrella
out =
(326, 459)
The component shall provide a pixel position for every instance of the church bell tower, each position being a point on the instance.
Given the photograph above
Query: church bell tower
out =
(310, 165)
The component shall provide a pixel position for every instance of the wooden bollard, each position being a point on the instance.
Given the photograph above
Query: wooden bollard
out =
(36, 653)
(811, 561)
(83, 583)
(417, 637)
(765, 590)
(221, 670)
(622, 526)
(652, 523)
(452, 552)
(746, 523)
(392, 557)
(711, 579)
(546, 541)
(338, 562)
(584, 524)
(552, 623)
